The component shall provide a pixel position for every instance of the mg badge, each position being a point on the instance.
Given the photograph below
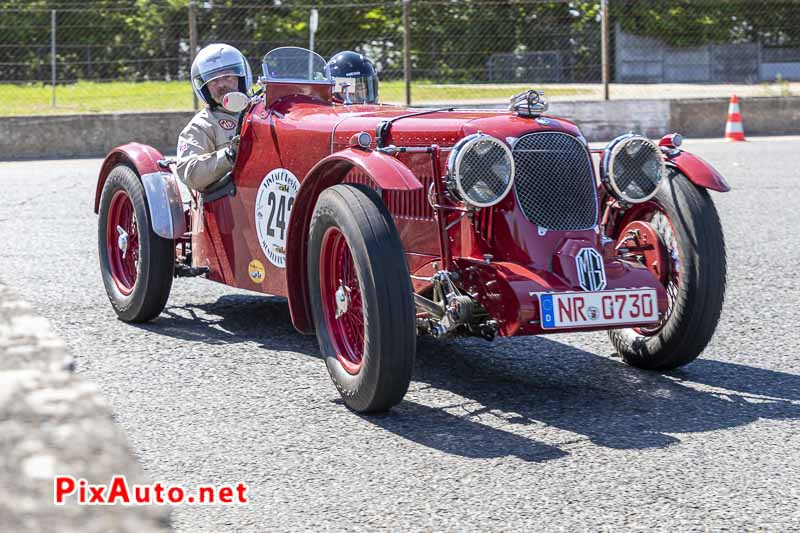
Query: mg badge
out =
(591, 272)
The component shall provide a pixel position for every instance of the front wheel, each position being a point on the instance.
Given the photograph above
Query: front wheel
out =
(137, 265)
(361, 298)
(686, 224)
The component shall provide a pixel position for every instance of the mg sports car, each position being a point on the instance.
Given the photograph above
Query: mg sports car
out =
(383, 223)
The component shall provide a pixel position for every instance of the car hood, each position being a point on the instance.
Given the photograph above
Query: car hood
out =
(446, 128)
(443, 127)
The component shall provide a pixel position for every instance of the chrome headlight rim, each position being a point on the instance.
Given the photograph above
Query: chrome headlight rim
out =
(460, 149)
(607, 176)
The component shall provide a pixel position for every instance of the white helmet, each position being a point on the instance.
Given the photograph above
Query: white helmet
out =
(214, 61)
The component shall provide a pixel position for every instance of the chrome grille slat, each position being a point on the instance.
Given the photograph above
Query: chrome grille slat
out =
(554, 182)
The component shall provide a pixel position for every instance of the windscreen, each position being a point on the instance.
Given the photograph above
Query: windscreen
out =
(293, 64)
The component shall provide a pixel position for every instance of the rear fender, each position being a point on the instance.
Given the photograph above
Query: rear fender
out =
(385, 171)
(161, 188)
(699, 172)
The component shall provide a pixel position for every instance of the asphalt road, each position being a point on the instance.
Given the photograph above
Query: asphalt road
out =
(549, 433)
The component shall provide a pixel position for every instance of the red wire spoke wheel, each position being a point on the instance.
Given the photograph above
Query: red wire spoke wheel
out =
(653, 231)
(122, 242)
(690, 262)
(361, 298)
(341, 300)
(136, 264)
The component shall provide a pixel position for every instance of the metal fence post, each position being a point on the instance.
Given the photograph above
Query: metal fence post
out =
(313, 22)
(192, 45)
(407, 49)
(604, 48)
(53, 53)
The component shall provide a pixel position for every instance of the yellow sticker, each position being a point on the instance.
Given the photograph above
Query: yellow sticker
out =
(256, 271)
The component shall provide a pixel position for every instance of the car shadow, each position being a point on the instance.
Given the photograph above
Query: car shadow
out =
(535, 380)
(234, 319)
(529, 383)
(436, 428)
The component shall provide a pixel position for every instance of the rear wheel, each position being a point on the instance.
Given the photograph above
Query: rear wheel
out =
(361, 298)
(692, 267)
(136, 264)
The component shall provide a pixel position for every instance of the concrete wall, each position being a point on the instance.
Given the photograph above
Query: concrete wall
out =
(699, 118)
(651, 60)
(774, 71)
(602, 121)
(54, 423)
(57, 136)
(48, 137)
(760, 116)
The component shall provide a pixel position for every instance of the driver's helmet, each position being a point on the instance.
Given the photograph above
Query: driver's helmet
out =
(214, 61)
(357, 70)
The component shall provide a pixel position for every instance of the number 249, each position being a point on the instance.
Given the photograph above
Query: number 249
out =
(283, 208)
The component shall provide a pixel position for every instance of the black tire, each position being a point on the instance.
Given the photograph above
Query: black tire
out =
(688, 223)
(357, 217)
(140, 297)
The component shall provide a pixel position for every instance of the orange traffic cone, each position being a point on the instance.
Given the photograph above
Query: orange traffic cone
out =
(733, 128)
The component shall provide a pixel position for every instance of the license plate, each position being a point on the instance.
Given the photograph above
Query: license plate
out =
(589, 309)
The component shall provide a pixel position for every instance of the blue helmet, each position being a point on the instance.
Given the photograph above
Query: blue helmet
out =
(358, 71)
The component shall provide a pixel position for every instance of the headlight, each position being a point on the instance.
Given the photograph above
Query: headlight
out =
(480, 170)
(633, 168)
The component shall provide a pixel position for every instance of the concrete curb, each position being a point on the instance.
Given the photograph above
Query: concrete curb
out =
(59, 136)
(53, 423)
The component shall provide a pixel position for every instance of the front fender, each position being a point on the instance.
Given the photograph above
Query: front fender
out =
(143, 159)
(699, 171)
(161, 188)
(387, 172)
(164, 201)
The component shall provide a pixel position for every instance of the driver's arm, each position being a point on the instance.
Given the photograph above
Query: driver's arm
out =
(200, 162)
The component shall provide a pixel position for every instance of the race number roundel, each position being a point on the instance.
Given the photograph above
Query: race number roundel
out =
(273, 205)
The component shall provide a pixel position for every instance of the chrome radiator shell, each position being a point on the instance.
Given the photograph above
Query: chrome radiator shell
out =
(555, 184)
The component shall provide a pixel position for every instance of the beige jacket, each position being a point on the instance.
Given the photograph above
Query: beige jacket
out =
(201, 148)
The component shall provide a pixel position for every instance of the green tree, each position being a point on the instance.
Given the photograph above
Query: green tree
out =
(698, 22)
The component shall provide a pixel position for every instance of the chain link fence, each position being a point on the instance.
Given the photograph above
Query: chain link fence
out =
(127, 55)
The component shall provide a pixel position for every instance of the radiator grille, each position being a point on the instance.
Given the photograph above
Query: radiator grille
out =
(554, 181)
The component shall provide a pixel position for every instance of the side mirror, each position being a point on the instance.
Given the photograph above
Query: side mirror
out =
(235, 102)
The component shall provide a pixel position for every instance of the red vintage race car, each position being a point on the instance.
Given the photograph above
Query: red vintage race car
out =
(381, 223)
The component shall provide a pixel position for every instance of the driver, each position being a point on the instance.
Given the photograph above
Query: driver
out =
(207, 145)
(358, 71)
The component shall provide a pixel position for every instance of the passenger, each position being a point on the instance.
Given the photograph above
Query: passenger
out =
(356, 70)
(207, 145)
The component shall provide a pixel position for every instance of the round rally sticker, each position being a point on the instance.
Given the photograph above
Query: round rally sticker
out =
(273, 205)
(256, 271)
